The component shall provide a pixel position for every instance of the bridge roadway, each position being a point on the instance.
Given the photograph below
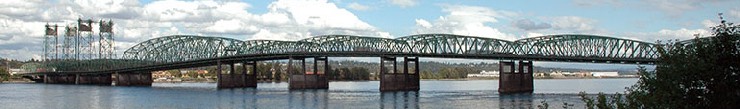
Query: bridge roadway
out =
(174, 52)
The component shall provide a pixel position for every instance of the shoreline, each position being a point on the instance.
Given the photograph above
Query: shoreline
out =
(213, 81)
(466, 79)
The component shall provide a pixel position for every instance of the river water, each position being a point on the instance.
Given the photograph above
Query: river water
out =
(471, 94)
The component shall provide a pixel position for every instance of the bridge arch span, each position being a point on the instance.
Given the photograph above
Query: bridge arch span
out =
(182, 48)
(578, 48)
(349, 43)
(576, 45)
(457, 44)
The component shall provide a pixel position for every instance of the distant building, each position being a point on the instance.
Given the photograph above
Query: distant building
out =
(485, 74)
(201, 72)
(161, 74)
(15, 71)
(539, 75)
(605, 74)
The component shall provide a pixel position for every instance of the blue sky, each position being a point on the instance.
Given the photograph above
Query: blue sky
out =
(619, 17)
(137, 21)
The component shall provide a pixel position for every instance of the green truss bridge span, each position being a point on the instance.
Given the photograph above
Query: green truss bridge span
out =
(563, 48)
(186, 51)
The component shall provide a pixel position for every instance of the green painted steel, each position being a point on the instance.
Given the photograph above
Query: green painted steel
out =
(190, 48)
(183, 47)
(586, 46)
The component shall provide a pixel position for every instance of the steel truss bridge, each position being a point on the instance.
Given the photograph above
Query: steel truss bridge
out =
(182, 51)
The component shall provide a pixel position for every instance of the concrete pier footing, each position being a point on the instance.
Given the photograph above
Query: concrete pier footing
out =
(247, 78)
(134, 79)
(310, 80)
(94, 79)
(391, 80)
(60, 79)
(515, 79)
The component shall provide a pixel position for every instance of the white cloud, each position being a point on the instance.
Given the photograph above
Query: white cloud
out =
(533, 34)
(22, 20)
(709, 23)
(403, 3)
(357, 6)
(573, 24)
(466, 20)
(423, 23)
(302, 19)
(527, 24)
(668, 34)
(735, 13)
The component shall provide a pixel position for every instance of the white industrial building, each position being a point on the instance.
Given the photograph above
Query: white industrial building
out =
(15, 71)
(485, 74)
(604, 74)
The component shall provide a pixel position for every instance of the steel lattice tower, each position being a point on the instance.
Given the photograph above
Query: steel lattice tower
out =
(85, 40)
(106, 48)
(69, 47)
(50, 42)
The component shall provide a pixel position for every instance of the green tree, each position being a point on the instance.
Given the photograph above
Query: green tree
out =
(263, 71)
(704, 73)
(175, 73)
(279, 76)
(360, 73)
(4, 75)
(345, 74)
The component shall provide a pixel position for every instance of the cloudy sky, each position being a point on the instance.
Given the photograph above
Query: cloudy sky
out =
(22, 21)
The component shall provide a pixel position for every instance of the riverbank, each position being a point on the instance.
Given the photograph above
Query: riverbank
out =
(205, 80)
(201, 80)
(17, 81)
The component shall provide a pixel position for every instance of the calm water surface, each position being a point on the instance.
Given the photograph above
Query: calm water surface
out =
(433, 94)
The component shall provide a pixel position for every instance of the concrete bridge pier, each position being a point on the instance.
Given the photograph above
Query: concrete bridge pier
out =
(515, 79)
(140, 78)
(240, 80)
(59, 79)
(309, 80)
(250, 76)
(93, 79)
(391, 80)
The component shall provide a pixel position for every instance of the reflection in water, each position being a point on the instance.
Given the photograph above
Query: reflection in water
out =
(341, 95)
(243, 98)
(308, 99)
(399, 100)
(92, 97)
(516, 101)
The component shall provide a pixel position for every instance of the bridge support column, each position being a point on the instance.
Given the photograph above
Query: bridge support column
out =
(234, 80)
(59, 79)
(134, 79)
(515, 79)
(310, 80)
(93, 79)
(391, 80)
(250, 76)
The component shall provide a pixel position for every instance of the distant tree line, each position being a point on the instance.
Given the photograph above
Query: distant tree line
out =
(349, 74)
(4, 71)
(448, 73)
